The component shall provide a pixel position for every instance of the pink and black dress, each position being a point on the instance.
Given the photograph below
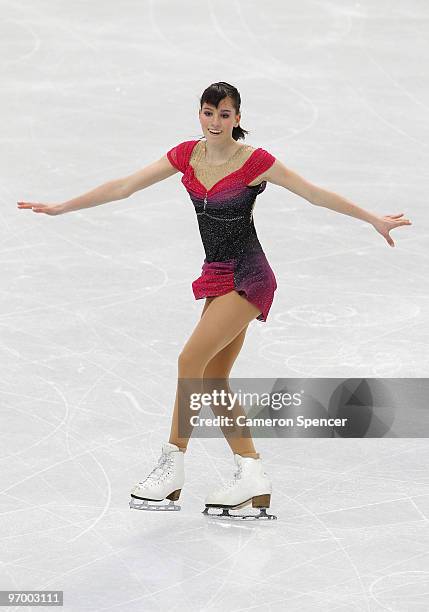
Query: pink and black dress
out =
(234, 256)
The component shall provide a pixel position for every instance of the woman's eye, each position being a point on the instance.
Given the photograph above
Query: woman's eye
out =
(207, 113)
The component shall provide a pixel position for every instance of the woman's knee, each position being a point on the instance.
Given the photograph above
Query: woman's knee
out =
(184, 360)
(189, 362)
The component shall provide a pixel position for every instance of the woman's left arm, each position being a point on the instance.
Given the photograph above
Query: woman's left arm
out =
(279, 174)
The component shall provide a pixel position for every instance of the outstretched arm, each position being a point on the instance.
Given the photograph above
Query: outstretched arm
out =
(118, 189)
(158, 171)
(279, 174)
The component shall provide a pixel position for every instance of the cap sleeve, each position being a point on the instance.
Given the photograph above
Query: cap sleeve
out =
(258, 163)
(179, 155)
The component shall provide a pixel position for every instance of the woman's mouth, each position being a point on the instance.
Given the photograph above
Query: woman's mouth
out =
(214, 131)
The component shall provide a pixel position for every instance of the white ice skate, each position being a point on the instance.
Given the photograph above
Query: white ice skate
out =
(164, 482)
(250, 485)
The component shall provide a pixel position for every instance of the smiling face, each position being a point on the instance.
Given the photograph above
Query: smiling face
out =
(221, 119)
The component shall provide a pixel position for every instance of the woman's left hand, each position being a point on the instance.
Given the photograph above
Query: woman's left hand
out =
(383, 225)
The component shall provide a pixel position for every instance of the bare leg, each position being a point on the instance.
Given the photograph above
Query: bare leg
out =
(210, 353)
(219, 368)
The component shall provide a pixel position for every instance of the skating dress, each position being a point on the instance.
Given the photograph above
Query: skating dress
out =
(224, 200)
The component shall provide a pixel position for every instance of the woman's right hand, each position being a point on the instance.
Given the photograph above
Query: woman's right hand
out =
(38, 207)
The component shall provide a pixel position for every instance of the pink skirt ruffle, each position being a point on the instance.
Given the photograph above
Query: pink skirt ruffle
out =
(252, 278)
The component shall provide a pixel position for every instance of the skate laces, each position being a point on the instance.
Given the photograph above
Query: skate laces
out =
(158, 470)
(236, 476)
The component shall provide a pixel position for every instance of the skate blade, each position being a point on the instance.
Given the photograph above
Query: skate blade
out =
(144, 504)
(241, 517)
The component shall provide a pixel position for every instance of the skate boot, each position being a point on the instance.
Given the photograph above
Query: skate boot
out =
(164, 482)
(250, 485)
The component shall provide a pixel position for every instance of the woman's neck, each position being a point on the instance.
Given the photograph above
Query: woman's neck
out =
(220, 153)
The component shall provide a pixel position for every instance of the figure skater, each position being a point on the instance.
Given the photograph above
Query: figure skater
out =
(223, 179)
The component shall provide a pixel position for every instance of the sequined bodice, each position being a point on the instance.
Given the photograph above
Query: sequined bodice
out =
(209, 174)
(223, 196)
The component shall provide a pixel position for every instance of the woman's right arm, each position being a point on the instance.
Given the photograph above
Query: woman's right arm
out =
(118, 189)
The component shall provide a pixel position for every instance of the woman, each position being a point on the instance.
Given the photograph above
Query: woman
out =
(223, 179)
